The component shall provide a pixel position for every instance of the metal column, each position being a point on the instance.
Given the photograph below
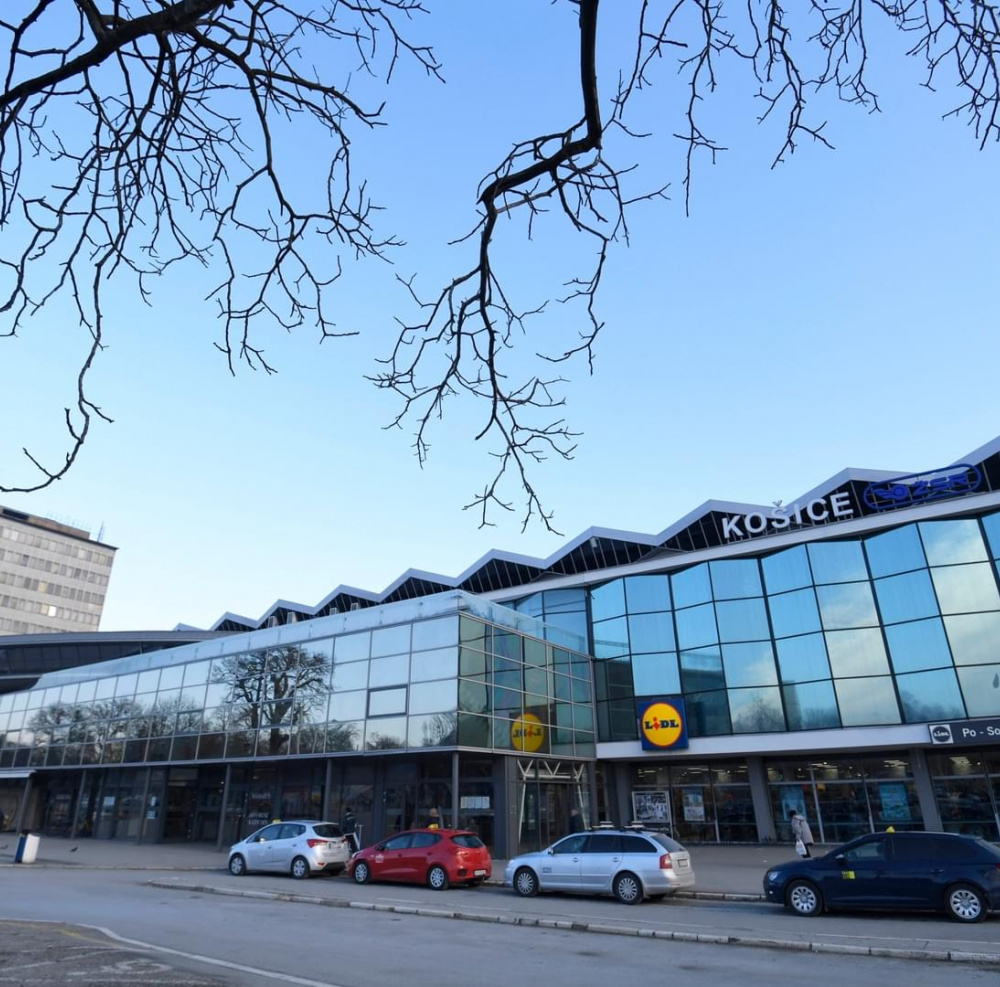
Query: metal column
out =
(145, 804)
(79, 805)
(454, 790)
(22, 809)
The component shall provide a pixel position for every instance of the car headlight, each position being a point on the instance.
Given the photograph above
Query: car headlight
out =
(773, 876)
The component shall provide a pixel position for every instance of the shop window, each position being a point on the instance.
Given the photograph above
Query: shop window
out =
(895, 551)
(786, 570)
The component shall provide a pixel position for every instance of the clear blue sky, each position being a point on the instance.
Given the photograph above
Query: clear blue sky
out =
(837, 311)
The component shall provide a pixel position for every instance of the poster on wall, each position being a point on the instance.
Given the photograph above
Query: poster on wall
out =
(694, 806)
(651, 807)
(895, 803)
(792, 800)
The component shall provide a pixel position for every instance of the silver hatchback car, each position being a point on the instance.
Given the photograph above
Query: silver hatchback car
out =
(300, 847)
(631, 863)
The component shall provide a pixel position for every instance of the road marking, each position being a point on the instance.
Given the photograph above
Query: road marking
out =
(210, 960)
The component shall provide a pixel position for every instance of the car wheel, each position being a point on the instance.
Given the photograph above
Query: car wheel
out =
(628, 888)
(803, 898)
(362, 873)
(237, 865)
(525, 883)
(301, 868)
(964, 903)
(437, 878)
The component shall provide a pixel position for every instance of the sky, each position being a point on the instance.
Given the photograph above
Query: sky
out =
(836, 311)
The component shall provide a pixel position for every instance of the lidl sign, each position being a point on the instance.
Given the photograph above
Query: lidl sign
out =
(527, 733)
(662, 724)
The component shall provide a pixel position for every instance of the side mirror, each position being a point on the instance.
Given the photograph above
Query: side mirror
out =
(840, 858)
(550, 851)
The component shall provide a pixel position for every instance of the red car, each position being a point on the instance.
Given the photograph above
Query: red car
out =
(435, 857)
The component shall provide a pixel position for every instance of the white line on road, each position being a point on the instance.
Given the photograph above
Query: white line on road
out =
(210, 960)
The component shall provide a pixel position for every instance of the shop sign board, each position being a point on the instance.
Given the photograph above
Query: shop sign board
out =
(662, 724)
(919, 488)
(966, 732)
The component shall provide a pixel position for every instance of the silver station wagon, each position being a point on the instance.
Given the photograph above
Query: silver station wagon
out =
(300, 847)
(631, 863)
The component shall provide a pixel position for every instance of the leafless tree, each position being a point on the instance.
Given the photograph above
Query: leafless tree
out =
(135, 134)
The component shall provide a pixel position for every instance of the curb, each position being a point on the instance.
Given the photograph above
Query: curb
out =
(760, 942)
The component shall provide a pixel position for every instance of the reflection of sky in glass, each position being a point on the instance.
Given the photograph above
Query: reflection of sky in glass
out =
(846, 605)
(927, 696)
(966, 588)
(975, 637)
(951, 542)
(749, 664)
(867, 702)
(856, 652)
(981, 686)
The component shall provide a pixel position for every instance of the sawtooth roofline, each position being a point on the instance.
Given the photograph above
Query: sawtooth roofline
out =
(543, 567)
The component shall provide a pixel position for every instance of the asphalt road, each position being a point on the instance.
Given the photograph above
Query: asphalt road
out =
(175, 936)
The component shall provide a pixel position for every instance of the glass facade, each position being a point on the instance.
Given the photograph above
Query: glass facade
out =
(469, 679)
(897, 627)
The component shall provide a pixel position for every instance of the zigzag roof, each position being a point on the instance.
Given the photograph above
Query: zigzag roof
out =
(594, 549)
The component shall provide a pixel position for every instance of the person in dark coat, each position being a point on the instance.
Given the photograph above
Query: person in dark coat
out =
(575, 822)
(350, 828)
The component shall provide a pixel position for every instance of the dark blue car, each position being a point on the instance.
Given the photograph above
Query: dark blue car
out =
(928, 871)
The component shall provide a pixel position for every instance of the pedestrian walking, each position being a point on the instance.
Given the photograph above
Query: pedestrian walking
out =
(575, 822)
(350, 828)
(802, 833)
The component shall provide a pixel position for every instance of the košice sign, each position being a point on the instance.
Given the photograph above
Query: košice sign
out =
(885, 495)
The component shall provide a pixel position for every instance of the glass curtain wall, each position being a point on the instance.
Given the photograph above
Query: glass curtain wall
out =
(451, 681)
(899, 627)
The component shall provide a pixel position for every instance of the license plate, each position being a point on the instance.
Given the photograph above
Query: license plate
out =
(682, 863)
(479, 873)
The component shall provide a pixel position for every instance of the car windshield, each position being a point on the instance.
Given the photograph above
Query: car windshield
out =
(327, 830)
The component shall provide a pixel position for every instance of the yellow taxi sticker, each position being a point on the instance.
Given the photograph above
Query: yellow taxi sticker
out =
(847, 875)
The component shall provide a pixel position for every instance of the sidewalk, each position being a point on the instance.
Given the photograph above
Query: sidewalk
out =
(718, 869)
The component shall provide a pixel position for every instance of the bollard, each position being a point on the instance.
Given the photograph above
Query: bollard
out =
(27, 848)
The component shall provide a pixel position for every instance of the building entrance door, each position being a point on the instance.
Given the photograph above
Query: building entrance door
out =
(181, 801)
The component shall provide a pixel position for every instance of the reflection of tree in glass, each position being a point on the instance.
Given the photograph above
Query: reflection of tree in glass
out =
(439, 730)
(273, 690)
(341, 736)
(83, 722)
(384, 742)
(759, 717)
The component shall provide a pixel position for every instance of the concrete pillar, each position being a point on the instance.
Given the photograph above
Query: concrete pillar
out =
(74, 827)
(766, 832)
(328, 788)
(223, 807)
(22, 808)
(145, 804)
(454, 789)
(925, 791)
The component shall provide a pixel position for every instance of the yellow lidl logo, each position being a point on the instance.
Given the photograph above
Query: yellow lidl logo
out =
(527, 733)
(662, 725)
